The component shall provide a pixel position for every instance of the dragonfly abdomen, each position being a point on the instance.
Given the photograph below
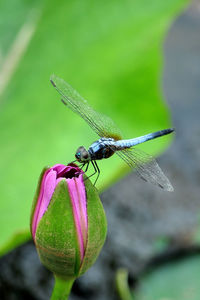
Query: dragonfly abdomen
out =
(122, 144)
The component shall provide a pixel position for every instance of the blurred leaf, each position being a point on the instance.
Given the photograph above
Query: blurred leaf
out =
(175, 281)
(13, 16)
(110, 51)
(16, 240)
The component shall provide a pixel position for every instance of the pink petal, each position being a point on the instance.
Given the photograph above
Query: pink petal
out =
(78, 198)
(46, 191)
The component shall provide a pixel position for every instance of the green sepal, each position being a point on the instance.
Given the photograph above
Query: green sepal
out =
(35, 199)
(97, 227)
(56, 237)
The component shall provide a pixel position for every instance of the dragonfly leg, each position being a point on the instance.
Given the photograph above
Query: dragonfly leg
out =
(73, 161)
(97, 170)
(81, 166)
(87, 167)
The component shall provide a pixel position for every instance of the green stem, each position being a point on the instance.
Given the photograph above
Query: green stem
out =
(62, 289)
(122, 285)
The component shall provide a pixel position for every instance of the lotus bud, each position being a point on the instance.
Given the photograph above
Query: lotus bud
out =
(68, 223)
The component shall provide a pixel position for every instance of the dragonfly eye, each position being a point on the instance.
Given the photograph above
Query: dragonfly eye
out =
(78, 155)
(81, 154)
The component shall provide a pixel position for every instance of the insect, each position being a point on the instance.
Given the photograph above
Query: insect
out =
(111, 141)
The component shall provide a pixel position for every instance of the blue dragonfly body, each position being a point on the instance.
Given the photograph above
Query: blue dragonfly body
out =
(111, 141)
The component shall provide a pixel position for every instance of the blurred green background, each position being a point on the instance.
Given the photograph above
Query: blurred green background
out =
(111, 52)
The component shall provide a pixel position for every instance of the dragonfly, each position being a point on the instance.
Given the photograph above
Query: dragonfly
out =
(111, 140)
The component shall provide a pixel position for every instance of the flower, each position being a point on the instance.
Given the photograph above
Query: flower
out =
(68, 223)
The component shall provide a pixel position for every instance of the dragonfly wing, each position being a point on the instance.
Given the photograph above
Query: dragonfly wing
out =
(146, 166)
(101, 124)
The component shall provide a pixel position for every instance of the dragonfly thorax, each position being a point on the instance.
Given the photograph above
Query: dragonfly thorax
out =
(98, 150)
(82, 155)
(101, 149)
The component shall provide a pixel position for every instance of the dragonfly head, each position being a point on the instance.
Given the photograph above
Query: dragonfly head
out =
(82, 155)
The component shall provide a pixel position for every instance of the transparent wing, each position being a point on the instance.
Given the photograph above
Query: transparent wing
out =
(146, 166)
(101, 124)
